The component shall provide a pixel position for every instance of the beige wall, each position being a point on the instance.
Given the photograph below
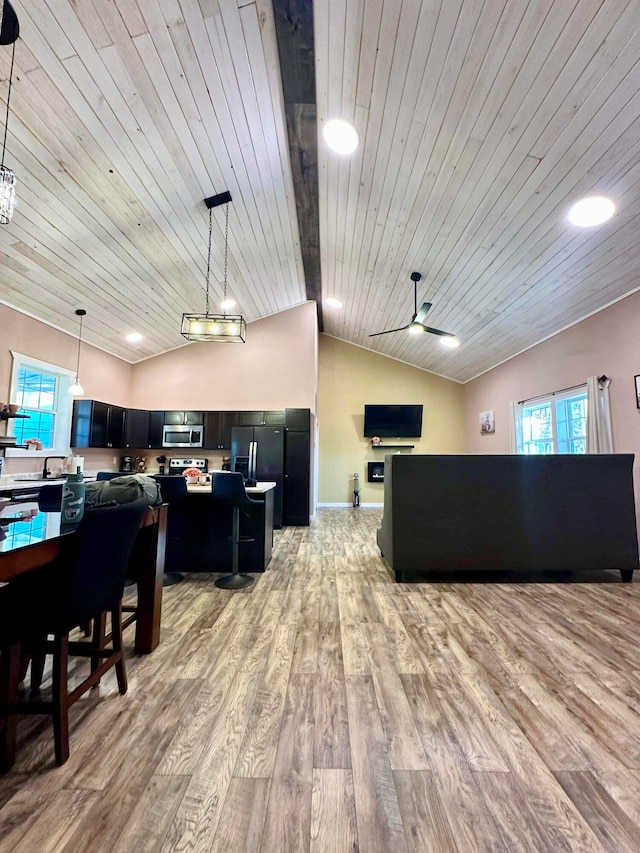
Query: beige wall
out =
(275, 368)
(608, 342)
(349, 378)
(104, 377)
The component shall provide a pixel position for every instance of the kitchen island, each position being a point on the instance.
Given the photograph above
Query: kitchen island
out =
(208, 548)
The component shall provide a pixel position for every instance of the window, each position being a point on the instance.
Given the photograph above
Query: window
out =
(41, 391)
(554, 424)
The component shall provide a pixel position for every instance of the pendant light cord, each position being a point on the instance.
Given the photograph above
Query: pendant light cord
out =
(79, 344)
(6, 120)
(206, 298)
(226, 246)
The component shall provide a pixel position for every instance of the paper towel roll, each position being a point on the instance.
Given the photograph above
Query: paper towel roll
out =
(77, 462)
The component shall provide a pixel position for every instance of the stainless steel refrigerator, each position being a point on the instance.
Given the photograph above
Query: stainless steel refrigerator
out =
(259, 453)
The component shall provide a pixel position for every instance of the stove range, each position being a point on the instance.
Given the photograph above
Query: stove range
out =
(179, 466)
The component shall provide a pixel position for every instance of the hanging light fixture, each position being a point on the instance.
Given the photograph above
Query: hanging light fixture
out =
(9, 32)
(76, 390)
(230, 328)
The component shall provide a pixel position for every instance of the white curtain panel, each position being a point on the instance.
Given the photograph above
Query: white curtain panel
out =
(515, 427)
(599, 436)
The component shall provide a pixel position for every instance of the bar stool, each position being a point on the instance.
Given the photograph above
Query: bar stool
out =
(174, 492)
(228, 489)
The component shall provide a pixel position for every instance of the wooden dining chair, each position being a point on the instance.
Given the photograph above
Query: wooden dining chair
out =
(49, 604)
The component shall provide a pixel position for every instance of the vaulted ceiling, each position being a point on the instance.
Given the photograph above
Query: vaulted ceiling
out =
(479, 122)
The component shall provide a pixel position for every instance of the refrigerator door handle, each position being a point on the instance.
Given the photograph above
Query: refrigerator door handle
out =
(253, 453)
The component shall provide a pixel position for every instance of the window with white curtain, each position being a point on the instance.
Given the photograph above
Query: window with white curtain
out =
(556, 423)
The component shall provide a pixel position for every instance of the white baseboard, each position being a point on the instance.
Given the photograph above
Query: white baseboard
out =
(345, 505)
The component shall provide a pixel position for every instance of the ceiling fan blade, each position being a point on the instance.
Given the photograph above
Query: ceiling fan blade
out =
(388, 331)
(437, 331)
(422, 313)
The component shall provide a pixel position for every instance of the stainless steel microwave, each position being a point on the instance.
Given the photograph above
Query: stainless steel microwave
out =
(182, 436)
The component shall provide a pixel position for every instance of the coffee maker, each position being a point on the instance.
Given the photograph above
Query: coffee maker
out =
(127, 464)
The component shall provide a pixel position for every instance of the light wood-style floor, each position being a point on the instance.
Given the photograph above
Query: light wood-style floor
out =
(327, 709)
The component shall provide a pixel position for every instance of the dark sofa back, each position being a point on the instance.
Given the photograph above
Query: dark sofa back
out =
(509, 512)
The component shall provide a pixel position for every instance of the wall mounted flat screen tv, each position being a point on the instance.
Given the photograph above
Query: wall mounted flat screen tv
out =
(393, 421)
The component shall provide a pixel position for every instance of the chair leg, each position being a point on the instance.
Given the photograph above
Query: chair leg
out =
(60, 697)
(9, 683)
(37, 669)
(116, 640)
(98, 640)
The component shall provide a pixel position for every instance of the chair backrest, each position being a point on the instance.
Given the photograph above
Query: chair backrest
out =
(107, 475)
(228, 487)
(172, 488)
(103, 546)
(50, 498)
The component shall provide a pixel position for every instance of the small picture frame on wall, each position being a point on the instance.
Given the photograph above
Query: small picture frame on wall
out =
(636, 379)
(487, 422)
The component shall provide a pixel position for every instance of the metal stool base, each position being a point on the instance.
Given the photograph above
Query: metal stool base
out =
(171, 578)
(235, 581)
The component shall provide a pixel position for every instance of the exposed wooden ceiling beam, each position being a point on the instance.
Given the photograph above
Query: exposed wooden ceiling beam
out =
(294, 30)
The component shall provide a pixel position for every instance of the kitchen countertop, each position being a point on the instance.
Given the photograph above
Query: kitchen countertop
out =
(205, 489)
(9, 487)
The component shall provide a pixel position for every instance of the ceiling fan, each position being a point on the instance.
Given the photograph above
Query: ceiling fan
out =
(417, 321)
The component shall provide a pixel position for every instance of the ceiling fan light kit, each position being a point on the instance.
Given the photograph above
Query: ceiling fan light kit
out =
(416, 326)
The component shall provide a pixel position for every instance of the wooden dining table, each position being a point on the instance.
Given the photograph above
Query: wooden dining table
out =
(29, 542)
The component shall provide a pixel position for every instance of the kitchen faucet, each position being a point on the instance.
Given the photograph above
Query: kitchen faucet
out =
(45, 471)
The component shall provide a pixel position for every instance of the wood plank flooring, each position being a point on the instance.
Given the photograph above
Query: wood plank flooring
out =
(327, 709)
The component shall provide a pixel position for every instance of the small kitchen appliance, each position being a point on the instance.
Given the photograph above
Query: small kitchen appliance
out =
(127, 464)
(179, 466)
(182, 436)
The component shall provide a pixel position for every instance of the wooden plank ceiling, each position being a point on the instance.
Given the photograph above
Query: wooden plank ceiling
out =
(480, 121)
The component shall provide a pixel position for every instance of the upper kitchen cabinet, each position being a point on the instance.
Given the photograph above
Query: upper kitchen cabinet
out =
(183, 418)
(96, 424)
(156, 424)
(217, 429)
(270, 418)
(298, 420)
(136, 428)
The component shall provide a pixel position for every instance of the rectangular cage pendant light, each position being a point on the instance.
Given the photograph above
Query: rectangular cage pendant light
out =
(225, 328)
(231, 328)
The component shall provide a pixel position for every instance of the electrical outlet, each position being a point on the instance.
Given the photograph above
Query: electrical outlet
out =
(115, 460)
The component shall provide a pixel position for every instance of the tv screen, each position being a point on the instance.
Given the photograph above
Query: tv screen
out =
(393, 421)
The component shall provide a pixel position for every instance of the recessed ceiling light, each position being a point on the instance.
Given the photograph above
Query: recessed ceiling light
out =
(332, 302)
(340, 135)
(134, 337)
(591, 211)
(449, 341)
(228, 304)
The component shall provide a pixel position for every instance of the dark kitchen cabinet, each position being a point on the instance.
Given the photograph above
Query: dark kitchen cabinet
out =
(136, 428)
(298, 419)
(264, 418)
(297, 461)
(297, 467)
(217, 429)
(96, 424)
(156, 424)
(183, 418)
